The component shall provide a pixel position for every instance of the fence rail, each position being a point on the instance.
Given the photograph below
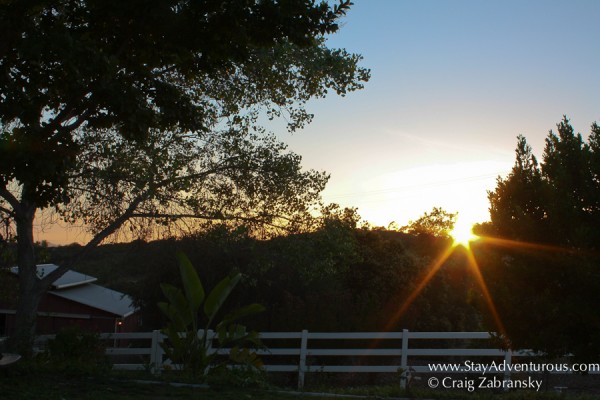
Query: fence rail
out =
(324, 347)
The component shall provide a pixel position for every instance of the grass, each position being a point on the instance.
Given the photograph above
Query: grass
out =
(34, 386)
(30, 384)
(56, 388)
(393, 391)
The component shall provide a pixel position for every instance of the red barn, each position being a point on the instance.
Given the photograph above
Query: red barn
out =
(74, 299)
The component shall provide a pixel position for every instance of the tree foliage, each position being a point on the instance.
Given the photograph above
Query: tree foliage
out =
(174, 180)
(437, 222)
(115, 113)
(547, 282)
(337, 277)
(557, 201)
(516, 206)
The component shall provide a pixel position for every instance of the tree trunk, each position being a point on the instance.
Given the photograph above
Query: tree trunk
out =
(26, 318)
(31, 289)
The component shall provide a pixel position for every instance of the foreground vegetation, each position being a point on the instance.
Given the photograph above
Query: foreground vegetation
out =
(18, 384)
(52, 387)
(75, 366)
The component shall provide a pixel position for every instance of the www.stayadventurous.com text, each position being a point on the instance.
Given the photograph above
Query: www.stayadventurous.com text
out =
(485, 379)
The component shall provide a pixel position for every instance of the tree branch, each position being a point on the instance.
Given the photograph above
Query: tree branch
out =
(97, 239)
(7, 211)
(224, 166)
(65, 115)
(211, 217)
(177, 216)
(10, 198)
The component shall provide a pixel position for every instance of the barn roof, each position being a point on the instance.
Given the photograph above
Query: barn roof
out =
(69, 279)
(80, 288)
(99, 297)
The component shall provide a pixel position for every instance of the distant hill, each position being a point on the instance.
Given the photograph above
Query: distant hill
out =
(333, 279)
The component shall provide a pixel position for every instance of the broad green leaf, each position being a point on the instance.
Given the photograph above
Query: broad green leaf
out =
(242, 312)
(192, 285)
(219, 294)
(178, 321)
(164, 307)
(178, 304)
(175, 297)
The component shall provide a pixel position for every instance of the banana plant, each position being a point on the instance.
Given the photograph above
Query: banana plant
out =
(187, 345)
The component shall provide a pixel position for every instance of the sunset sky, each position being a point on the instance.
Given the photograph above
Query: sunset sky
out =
(453, 83)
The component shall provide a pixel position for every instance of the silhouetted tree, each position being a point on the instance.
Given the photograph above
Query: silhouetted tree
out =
(113, 112)
(546, 281)
(517, 206)
(437, 222)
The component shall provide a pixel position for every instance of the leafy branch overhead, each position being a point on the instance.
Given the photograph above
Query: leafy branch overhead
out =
(164, 65)
(149, 116)
(231, 175)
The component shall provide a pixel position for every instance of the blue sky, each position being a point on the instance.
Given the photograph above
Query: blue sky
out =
(453, 83)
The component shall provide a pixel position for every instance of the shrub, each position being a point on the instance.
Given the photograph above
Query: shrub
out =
(188, 345)
(74, 351)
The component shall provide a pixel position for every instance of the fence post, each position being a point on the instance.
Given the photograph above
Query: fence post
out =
(404, 359)
(156, 353)
(508, 363)
(302, 365)
(210, 335)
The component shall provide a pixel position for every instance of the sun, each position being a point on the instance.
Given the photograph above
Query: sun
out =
(462, 233)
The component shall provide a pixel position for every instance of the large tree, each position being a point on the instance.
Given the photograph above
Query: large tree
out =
(517, 207)
(556, 201)
(545, 277)
(437, 222)
(114, 112)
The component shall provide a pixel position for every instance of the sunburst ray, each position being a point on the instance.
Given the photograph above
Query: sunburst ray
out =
(474, 266)
(435, 266)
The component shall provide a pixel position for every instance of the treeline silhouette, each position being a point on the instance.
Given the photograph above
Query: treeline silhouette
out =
(338, 278)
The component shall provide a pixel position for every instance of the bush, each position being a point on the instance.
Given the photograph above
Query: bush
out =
(76, 352)
(242, 377)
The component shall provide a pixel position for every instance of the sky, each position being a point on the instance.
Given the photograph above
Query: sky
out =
(453, 84)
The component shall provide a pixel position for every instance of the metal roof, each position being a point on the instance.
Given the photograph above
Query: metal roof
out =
(99, 297)
(79, 288)
(69, 279)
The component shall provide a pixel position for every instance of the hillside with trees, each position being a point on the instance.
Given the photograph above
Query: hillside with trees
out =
(341, 277)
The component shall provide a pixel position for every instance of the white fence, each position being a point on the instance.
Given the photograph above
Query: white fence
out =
(318, 351)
